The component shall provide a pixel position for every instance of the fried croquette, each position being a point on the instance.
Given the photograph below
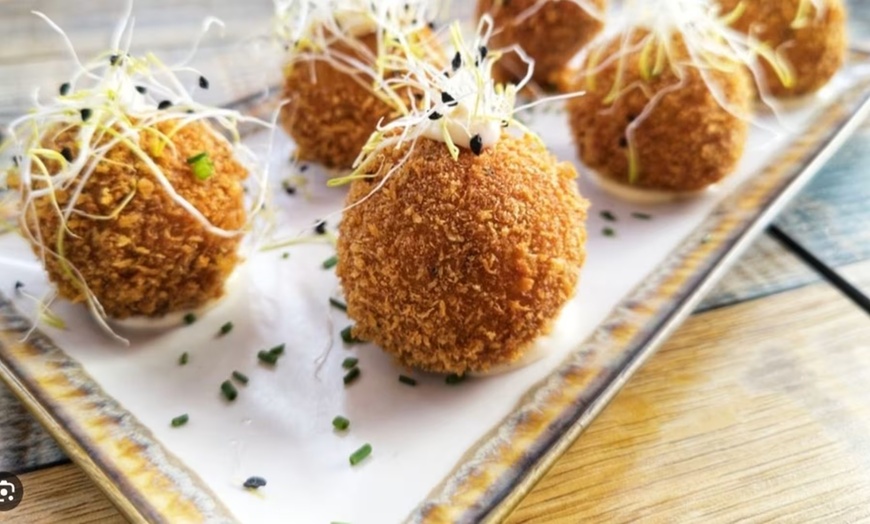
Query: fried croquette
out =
(663, 133)
(458, 266)
(552, 34)
(331, 113)
(151, 257)
(812, 42)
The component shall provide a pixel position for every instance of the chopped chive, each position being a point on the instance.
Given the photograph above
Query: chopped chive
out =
(141, 89)
(338, 304)
(240, 377)
(180, 420)
(278, 350)
(609, 216)
(182, 360)
(360, 454)
(347, 336)
(608, 232)
(320, 227)
(203, 167)
(350, 363)
(226, 328)
(254, 482)
(166, 104)
(189, 318)
(340, 423)
(641, 216)
(64, 88)
(267, 357)
(229, 390)
(453, 379)
(351, 375)
(285, 256)
(203, 82)
(86, 114)
(330, 262)
(408, 381)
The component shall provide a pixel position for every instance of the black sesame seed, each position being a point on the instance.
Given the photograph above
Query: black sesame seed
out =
(66, 154)
(19, 285)
(203, 82)
(448, 99)
(255, 482)
(431, 25)
(166, 104)
(476, 145)
(435, 115)
(320, 228)
(86, 114)
(64, 89)
(114, 59)
(303, 168)
(623, 142)
(483, 52)
(289, 188)
(141, 90)
(457, 61)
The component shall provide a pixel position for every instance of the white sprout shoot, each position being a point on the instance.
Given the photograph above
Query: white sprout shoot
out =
(111, 102)
(334, 31)
(709, 45)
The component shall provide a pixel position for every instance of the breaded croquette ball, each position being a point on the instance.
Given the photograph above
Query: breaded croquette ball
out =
(459, 265)
(810, 35)
(551, 32)
(640, 125)
(150, 257)
(332, 113)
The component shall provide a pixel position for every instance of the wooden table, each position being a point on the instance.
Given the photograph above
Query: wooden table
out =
(758, 408)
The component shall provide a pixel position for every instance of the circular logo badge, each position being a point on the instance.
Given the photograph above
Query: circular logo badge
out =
(11, 491)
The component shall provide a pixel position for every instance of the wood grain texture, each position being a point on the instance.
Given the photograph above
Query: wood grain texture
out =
(759, 411)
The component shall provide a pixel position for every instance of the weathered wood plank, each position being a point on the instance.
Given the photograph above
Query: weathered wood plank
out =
(757, 411)
(63, 494)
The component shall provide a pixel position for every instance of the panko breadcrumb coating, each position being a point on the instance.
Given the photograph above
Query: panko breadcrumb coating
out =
(687, 142)
(332, 113)
(552, 36)
(812, 43)
(153, 257)
(458, 266)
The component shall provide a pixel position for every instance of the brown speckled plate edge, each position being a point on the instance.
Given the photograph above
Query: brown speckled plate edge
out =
(502, 468)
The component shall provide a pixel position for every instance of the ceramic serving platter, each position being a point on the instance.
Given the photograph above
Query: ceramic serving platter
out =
(441, 453)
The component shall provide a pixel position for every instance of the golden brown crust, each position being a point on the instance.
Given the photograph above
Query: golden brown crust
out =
(458, 266)
(551, 36)
(154, 258)
(816, 50)
(331, 113)
(687, 142)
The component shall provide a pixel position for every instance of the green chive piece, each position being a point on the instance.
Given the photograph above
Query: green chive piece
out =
(189, 318)
(240, 377)
(350, 363)
(268, 357)
(408, 381)
(285, 256)
(360, 454)
(330, 262)
(347, 336)
(180, 420)
(203, 167)
(229, 390)
(182, 360)
(226, 328)
(277, 350)
(608, 232)
(351, 376)
(609, 216)
(454, 379)
(340, 423)
(641, 216)
(338, 304)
